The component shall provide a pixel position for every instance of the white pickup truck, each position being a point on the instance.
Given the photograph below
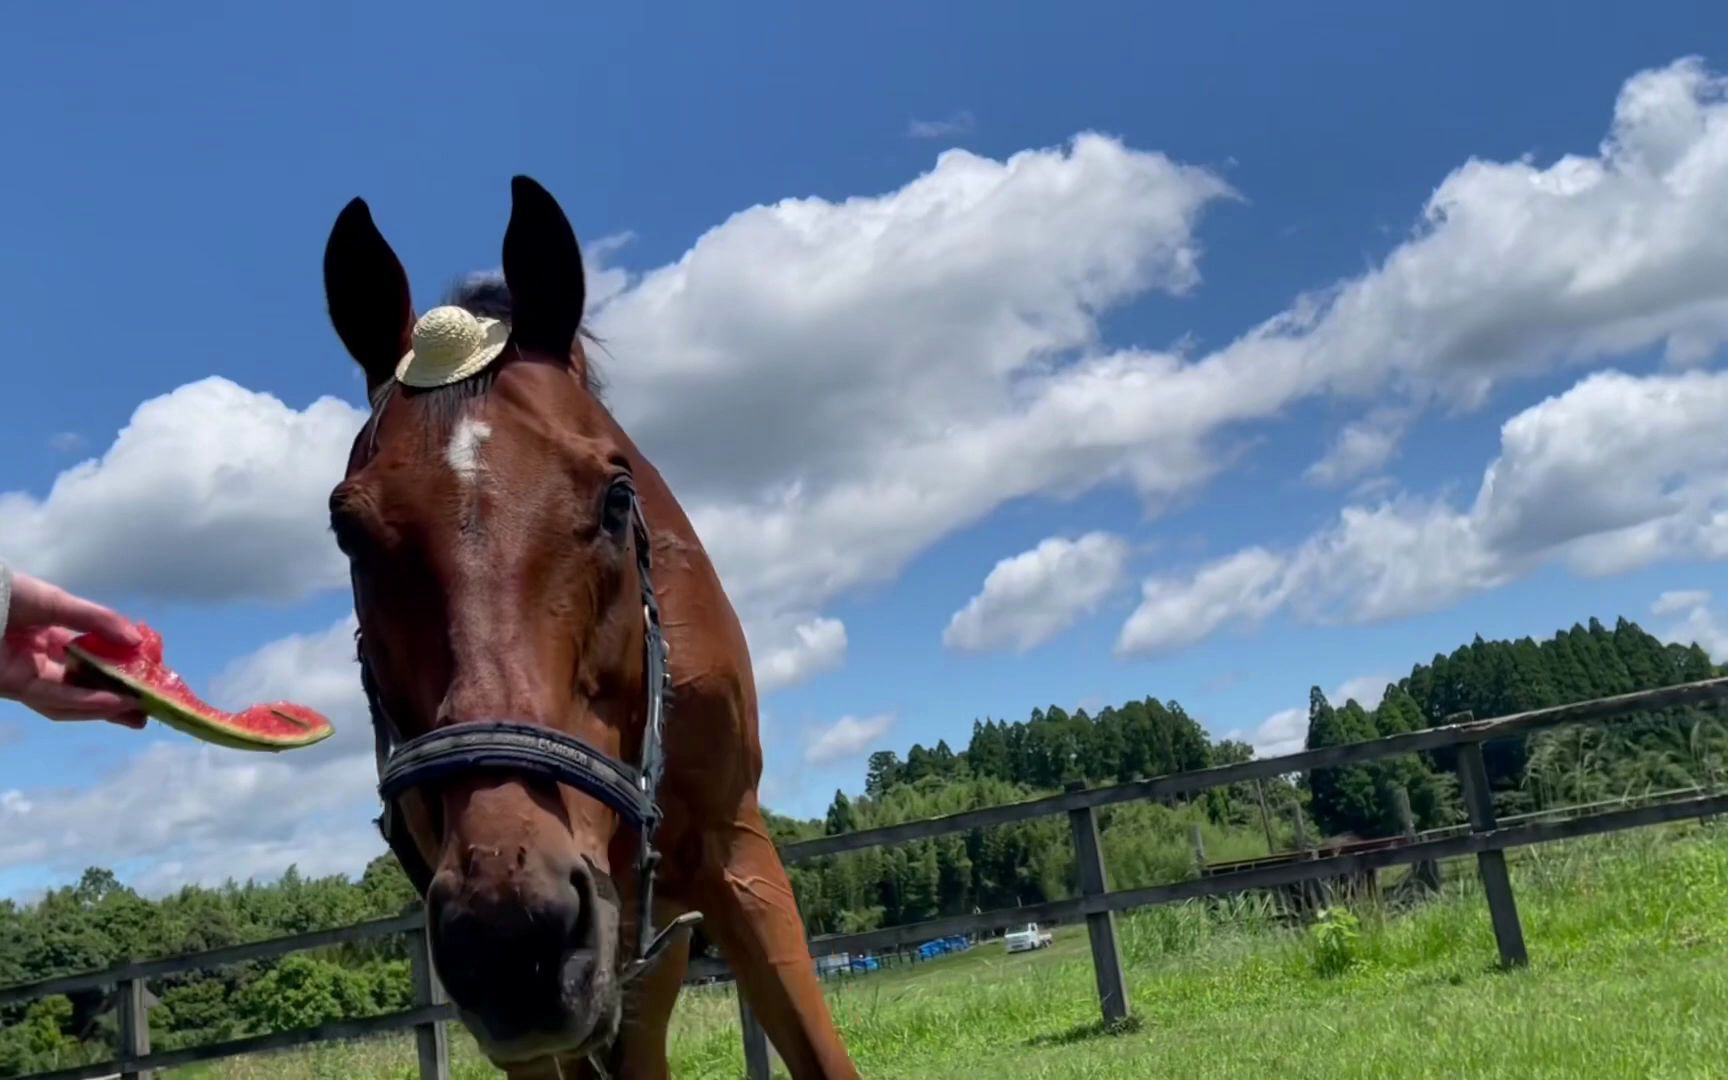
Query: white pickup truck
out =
(1026, 939)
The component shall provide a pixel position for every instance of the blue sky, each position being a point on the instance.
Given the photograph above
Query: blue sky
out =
(177, 169)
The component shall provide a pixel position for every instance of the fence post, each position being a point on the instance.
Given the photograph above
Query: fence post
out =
(755, 1039)
(1199, 842)
(1265, 815)
(1401, 806)
(1308, 892)
(1491, 865)
(134, 1007)
(1427, 872)
(431, 1039)
(1100, 926)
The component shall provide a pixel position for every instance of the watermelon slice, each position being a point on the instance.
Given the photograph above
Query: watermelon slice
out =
(101, 664)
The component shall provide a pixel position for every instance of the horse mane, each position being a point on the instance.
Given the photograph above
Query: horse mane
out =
(484, 294)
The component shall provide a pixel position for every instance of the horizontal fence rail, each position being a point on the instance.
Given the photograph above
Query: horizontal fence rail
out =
(335, 1030)
(1097, 905)
(229, 954)
(1708, 692)
(1272, 876)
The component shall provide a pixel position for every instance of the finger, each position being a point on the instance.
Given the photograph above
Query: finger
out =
(69, 716)
(51, 641)
(64, 609)
(125, 717)
(134, 720)
(94, 704)
(52, 666)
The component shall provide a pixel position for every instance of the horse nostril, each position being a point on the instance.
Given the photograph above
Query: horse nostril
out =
(582, 884)
(578, 973)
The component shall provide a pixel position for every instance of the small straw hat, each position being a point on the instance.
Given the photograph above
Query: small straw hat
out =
(450, 344)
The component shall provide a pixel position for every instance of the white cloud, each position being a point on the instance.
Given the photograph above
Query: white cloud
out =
(211, 492)
(846, 737)
(203, 809)
(1701, 624)
(66, 442)
(1615, 473)
(1367, 690)
(908, 362)
(1174, 612)
(895, 359)
(1517, 266)
(791, 653)
(1679, 600)
(1029, 598)
(958, 123)
(1286, 731)
(1360, 448)
(198, 813)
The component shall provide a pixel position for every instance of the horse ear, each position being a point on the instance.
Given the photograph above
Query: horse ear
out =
(366, 291)
(543, 271)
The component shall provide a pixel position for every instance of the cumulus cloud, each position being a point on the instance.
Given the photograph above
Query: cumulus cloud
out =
(907, 362)
(1174, 612)
(198, 813)
(1699, 624)
(1029, 598)
(786, 654)
(894, 358)
(211, 492)
(1361, 448)
(846, 737)
(1679, 600)
(1617, 472)
(221, 813)
(1286, 731)
(1516, 266)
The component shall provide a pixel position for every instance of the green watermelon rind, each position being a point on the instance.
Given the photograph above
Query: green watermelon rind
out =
(181, 718)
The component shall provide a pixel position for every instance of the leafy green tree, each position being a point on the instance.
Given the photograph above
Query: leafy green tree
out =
(884, 773)
(840, 818)
(303, 991)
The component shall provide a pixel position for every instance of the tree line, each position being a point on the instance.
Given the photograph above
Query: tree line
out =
(99, 921)
(1148, 844)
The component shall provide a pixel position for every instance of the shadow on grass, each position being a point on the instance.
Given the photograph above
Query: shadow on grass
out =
(1082, 1032)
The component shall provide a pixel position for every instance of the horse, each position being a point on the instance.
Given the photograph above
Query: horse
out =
(561, 691)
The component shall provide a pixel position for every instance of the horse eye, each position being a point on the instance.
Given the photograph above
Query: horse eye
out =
(344, 525)
(619, 500)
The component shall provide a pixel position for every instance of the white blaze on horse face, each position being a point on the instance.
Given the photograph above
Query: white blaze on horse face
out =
(463, 452)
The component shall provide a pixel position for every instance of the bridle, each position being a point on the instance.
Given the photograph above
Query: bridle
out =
(511, 746)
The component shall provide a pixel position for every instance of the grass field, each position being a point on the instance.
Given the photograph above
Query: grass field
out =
(1628, 938)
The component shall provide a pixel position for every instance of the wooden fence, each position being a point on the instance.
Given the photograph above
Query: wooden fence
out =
(1097, 904)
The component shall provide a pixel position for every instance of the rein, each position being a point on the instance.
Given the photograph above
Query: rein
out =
(512, 746)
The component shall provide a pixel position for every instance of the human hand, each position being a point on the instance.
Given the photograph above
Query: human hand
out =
(40, 622)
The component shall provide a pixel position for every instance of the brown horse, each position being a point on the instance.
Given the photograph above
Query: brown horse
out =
(500, 532)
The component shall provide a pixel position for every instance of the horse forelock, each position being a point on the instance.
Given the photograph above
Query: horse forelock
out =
(438, 408)
(486, 294)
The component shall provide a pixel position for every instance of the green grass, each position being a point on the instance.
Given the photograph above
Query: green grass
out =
(1628, 939)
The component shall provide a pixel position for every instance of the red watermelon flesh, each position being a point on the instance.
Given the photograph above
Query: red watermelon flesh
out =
(139, 671)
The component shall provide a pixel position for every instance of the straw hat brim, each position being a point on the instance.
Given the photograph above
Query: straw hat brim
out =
(422, 371)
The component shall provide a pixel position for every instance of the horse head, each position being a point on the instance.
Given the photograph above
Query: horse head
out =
(507, 629)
